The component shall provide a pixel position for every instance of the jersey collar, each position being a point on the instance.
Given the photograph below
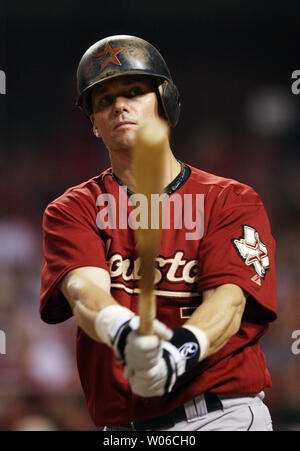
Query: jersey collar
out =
(179, 180)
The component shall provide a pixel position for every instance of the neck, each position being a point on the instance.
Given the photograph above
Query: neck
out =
(122, 166)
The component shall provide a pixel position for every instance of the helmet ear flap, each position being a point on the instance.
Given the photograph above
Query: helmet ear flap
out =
(170, 100)
(87, 103)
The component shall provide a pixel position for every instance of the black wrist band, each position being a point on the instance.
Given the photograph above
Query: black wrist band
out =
(187, 344)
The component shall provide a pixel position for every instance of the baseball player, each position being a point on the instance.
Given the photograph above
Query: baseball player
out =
(203, 368)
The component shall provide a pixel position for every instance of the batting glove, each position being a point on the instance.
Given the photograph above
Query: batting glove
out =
(114, 324)
(153, 368)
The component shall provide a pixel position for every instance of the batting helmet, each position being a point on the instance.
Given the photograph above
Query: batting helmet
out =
(122, 55)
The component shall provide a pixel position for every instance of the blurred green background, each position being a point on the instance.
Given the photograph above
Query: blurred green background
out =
(232, 62)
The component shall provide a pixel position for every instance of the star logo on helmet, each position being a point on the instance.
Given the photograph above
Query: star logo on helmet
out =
(112, 56)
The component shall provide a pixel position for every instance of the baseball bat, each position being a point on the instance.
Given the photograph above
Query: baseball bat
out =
(148, 163)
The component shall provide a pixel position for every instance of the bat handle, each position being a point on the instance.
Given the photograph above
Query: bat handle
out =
(147, 312)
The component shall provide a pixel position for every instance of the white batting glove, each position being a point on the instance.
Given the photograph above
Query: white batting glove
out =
(114, 324)
(142, 351)
(153, 366)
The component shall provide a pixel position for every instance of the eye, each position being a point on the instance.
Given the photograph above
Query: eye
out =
(136, 91)
(104, 102)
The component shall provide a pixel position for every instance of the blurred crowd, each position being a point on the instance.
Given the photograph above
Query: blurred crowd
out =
(39, 385)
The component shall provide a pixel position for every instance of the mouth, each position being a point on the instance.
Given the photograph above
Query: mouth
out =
(124, 124)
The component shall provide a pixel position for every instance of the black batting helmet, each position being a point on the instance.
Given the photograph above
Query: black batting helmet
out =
(122, 55)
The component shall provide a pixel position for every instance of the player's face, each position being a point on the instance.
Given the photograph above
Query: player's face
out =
(120, 106)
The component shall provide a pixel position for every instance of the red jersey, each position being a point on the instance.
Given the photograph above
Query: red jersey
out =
(232, 244)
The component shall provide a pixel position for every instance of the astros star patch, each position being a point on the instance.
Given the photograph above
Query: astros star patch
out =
(252, 250)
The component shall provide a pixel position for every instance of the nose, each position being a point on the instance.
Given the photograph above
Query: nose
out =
(120, 104)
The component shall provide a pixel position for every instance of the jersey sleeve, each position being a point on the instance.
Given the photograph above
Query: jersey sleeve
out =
(238, 248)
(71, 240)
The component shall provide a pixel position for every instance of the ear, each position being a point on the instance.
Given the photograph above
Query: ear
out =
(95, 128)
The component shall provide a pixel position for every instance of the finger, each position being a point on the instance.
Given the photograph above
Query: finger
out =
(142, 352)
(143, 343)
(143, 385)
(160, 329)
(163, 331)
(128, 372)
